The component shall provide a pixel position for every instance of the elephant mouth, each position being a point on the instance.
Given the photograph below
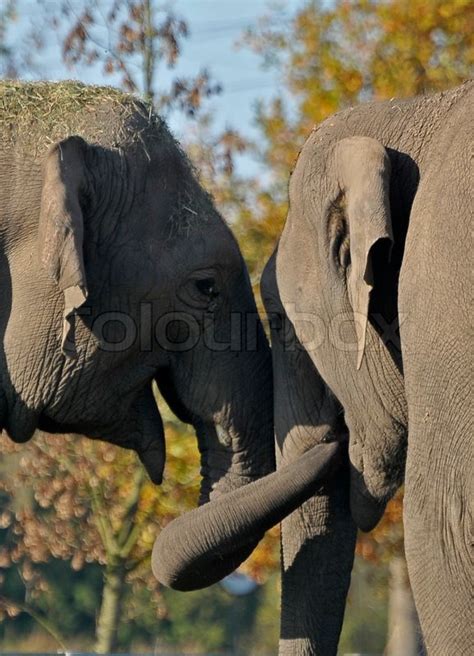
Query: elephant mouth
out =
(88, 429)
(49, 425)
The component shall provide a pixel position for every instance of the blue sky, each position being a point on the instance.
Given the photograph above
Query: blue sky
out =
(215, 26)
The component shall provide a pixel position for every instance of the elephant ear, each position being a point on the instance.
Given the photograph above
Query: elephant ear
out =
(363, 168)
(61, 229)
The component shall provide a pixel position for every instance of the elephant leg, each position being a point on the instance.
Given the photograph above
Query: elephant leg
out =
(437, 521)
(435, 334)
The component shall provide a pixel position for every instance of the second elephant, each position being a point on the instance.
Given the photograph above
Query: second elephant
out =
(376, 237)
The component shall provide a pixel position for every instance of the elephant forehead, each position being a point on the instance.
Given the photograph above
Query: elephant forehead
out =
(130, 265)
(213, 245)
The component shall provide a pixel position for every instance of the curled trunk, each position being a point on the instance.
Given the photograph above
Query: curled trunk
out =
(204, 545)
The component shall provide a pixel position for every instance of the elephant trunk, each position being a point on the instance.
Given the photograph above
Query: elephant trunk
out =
(204, 545)
(227, 464)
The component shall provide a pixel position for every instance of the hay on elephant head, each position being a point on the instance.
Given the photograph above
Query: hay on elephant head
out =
(38, 114)
(35, 115)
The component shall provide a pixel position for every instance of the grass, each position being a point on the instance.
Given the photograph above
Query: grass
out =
(41, 113)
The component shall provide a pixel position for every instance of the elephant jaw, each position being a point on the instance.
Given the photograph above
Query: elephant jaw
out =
(204, 545)
(375, 479)
(141, 430)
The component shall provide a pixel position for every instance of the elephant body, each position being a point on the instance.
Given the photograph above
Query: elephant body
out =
(377, 236)
(435, 296)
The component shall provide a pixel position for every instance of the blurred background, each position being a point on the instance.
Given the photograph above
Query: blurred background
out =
(241, 83)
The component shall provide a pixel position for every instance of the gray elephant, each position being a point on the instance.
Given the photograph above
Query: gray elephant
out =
(377, 237)
(116, 270)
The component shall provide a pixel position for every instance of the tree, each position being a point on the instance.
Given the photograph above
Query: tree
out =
(129, 41)
(139, 32)
(334, 55)
(84, 502)
(81, 501)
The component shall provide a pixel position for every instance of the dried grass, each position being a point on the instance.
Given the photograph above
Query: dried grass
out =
(38, 114)
(34, 115)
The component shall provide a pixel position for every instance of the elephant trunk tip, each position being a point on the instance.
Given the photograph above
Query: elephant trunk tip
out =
(186, 575)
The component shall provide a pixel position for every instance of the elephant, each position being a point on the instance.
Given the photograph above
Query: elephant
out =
(116, 270)
(368, 297)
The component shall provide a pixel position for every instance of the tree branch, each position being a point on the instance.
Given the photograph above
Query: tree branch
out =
(42, 621)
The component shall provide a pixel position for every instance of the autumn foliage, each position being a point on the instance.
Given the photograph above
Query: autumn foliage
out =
(334, 55)
(85, 501)
(88, 502)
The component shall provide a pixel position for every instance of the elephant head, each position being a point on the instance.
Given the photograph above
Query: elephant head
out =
(336, 268)
(117, 271)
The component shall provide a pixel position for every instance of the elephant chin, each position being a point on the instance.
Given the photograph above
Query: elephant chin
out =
(204, 545)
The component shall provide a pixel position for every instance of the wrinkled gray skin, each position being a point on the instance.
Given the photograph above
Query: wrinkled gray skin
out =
(124, 227)
(105, 238)
(377, 233)
(318, 539)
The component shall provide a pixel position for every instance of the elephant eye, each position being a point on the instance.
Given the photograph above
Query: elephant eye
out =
(200, 291)
(207, 287)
